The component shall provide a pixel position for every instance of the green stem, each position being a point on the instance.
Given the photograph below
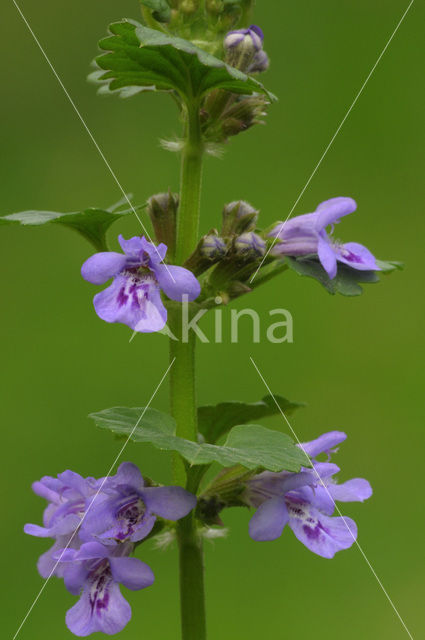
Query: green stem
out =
(150, 20)
(190, 187)
(182, 379)
(182, 384)
(192, 598)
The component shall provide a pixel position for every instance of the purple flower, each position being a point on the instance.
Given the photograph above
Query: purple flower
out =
(127, 510)
(306, 501)
(307, 234)
(138, 275)
(98, 571)
(67, 496)
(94, 523)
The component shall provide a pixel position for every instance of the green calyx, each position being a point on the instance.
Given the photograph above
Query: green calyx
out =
(227, 489)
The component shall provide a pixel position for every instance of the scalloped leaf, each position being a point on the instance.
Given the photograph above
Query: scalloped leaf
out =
(141, 57)
(91, 223)
(216, 420)
(346, 282)
(251, 446)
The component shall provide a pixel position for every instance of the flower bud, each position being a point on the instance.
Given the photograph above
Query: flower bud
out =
(245, 112)
(162, 210)
(259, 63)
(238, 217)
(250, 245)
(189, 6)
(233, 126)
(242, 45)
(238, 113)
(251, 38)
(210, 250)
(213, 247)
(214, 7)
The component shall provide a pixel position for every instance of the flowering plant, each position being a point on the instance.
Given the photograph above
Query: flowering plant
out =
(208, 58)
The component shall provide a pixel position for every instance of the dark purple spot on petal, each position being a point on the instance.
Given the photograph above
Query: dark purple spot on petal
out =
(352, 257)
(100, 579)
(312, 533)
(130, 515)
(122, 297)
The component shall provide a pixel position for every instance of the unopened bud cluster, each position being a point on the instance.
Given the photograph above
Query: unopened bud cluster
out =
(205, 22)
(230, 256)
(226, 114)
(239, 222)
(223, 113)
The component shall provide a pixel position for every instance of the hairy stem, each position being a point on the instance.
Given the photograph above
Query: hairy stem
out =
(192, 598)
(182, 384)
(182, 380)
(190, 187)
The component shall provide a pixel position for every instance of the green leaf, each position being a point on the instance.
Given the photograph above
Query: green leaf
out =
(121, 420)
(265, 448)
(142, 57)
(91, 223)
(161, 9)
(215, 421)
(252, 446)
(390, 265)
(346, 282)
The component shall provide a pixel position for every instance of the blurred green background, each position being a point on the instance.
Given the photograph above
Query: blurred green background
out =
(356, 362)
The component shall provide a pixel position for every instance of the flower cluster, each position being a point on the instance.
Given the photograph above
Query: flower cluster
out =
(306, 235)
(95, 524)
(138, 275)
(306, 501)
